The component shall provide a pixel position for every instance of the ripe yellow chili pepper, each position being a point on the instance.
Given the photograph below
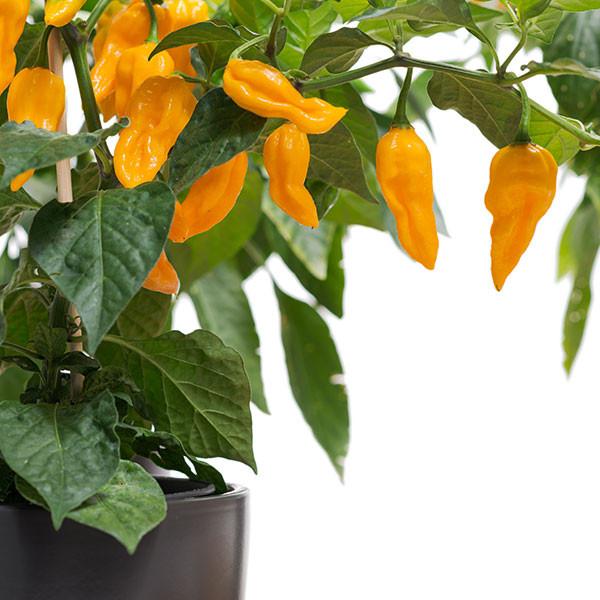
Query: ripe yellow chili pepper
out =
(59, 13)
(129, 28)
(287, 156)
(159, 110)
(103, 26)
(163, 277)
(265, 91)
(35, 95)
(210, 199)
(134, 68)
(403, 167)
(184, 13)
(13, 15)
(521, 190)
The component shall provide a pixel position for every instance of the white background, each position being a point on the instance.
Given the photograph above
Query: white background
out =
(474, 461)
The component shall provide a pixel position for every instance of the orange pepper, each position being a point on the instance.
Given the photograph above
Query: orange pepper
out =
(59, 13)
(13, 16)
(163, 277)
(210, 199)
(35, 95)
(103, 26)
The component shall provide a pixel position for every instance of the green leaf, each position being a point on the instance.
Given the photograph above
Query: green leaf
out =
(336, 160)
(497, 111)
(348, 9)
(202, 253)
(99, 251)
(337, 51)
(315, 376)
(530, 8)
(576, 5)
(12, 383)
(578, 249)
(352, 210)
(564, 65)
(167, 452)
(455, 12)
(577, 38)
(29, 45)
(67, 453)
(303, 26)
(129, 506)
(311, 246)
(544, 26)
(145, 316)
(23, 147)
(24, 312)
(195, 387)
(217, 131)
(251, 14)
(223, 308)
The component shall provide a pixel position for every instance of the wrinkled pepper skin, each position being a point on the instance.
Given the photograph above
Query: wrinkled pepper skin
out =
(129, 28)
(404, 173)
(184, 13)
(163, 277)
(521, 190)
(35, 95)
(159, 110)
(134, 68)
(13, 15)
(59, 13)
(287, 156)
(265, 91)
(210, 199)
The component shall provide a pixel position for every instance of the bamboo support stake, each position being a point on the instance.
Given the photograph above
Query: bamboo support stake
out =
(65, 190)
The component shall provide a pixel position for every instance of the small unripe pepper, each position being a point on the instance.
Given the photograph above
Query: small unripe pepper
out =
(128, 28)
(184, 13)
(59, 13)
(521, 190)
(287, 156)
(134, 68)
(158, 112)
(210, 199)
(35, 95)
(403, 167)
(265, 91)
(13, 15)
(163, 277)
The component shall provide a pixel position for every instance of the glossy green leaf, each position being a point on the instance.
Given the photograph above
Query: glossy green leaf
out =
(455, 12)
(251, 14)
(223, 308)
(67, 453)
(145, 316)
(217, 131)
(100, 250)
(530, 8)
(544, 26)
(194, 386)
(23, 147)
(576, 5)
(316, 376)
(352, 210)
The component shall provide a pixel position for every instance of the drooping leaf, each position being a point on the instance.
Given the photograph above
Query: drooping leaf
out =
(352, 210)
(145, 316)
(67, 453)
(100, 250)
(316, 376)
(223, 308)
(194, 386)
(23, 147)
(217, 131)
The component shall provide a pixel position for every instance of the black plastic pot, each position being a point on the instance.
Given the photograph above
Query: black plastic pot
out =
(197, 553)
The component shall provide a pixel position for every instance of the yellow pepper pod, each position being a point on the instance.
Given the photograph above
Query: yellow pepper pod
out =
(59, 13)
(287, 156)
(134, 68)
(210, 199)
(521, 190)
(404, 173)
(35, 95)
(159, 110)
(184, 13)
(163, 277)
(13, 15)
(265, 91)
(103, 26)
(129, 28)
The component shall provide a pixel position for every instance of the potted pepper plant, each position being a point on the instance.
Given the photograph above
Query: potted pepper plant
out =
(212, 136)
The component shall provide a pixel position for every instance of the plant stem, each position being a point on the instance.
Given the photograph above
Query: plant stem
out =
(272, 6)
(522, 41)
(523, 136)
(249, 44)
(482, 37)
(400, 118)
(95, 15)
(77, 45)
(271, 49)
(153, 34)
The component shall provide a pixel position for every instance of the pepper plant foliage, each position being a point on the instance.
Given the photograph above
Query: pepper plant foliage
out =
(92, 376)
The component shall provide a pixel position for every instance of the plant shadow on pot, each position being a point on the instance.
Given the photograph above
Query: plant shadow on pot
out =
(197, 553)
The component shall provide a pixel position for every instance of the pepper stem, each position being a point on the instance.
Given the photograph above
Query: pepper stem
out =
(523, 136)
(249, 44)
(400, 118)
(95, 15)
(153, 35)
